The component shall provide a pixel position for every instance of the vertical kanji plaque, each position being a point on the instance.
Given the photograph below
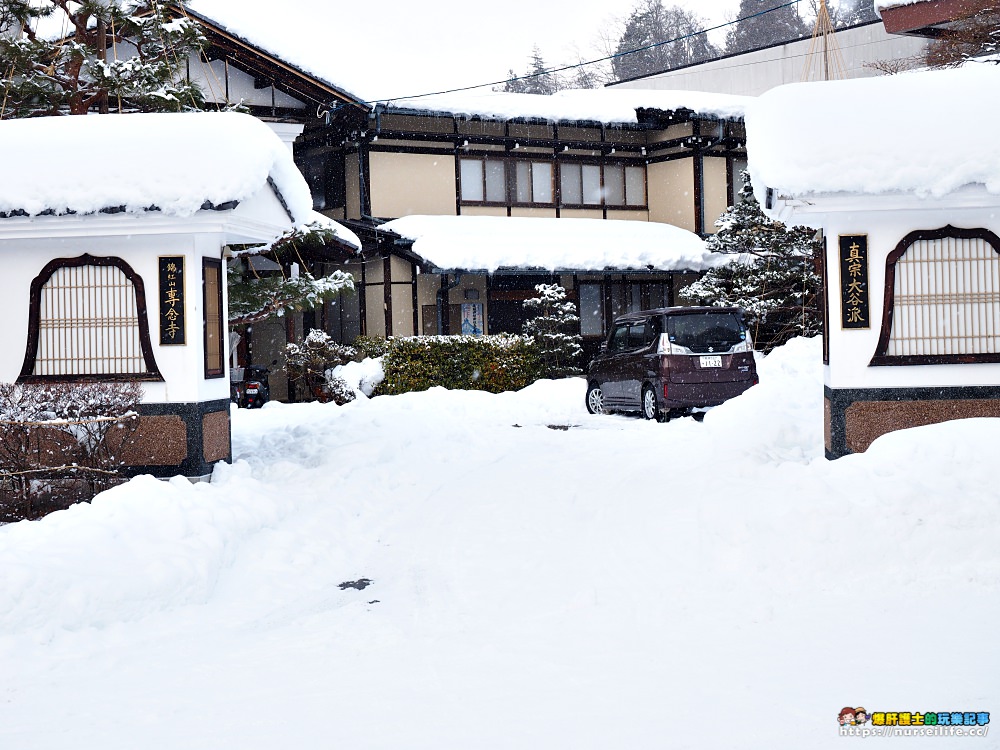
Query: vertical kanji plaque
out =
(854, 302)
(171, 277)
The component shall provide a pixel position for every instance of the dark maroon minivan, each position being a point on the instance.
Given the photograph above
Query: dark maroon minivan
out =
(672, 361)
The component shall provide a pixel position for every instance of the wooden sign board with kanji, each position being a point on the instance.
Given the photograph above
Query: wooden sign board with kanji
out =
(854, 307)
(171, 278)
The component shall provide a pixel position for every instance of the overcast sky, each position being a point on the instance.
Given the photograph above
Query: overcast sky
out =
(453, 47)
(398, 48)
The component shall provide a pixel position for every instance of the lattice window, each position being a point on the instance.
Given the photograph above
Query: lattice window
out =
(88, 320)
(944, 305)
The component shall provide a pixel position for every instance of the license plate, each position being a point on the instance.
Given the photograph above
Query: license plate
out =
(711, 361)
(252, 391)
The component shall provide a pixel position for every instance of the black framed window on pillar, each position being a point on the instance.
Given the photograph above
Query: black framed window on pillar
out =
(942, 299)
(87, 320)
(215, 352)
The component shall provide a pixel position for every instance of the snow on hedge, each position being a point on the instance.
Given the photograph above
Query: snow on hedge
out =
(877, 135)
(570, 105)
(492, 242)
(175, 162)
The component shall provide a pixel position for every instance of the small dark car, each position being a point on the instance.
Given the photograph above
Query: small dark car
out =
(672, 361)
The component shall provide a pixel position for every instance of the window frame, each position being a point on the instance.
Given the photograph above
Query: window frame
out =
(510, 177)
(27, 375)
(513, 182)
(210, 372)
(511, 166)
(881, 358)
(603, 166)
(484, 185)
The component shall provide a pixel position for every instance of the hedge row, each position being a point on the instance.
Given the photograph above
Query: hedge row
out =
(498, 363)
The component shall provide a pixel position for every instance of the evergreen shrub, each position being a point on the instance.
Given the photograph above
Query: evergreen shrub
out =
(504, 362)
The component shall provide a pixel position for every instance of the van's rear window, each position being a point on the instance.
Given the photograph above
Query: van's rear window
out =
(700, 332)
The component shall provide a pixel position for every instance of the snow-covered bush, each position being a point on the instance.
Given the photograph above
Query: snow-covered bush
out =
(309, 362)
(62, 443)
(504, 362)
(362, 377)
(551, 327)
(337, 390)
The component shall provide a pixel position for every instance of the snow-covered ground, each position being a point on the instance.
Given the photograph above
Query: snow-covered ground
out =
(617, 584)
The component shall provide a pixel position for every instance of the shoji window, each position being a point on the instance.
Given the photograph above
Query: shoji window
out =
(483, 180)
(88, 321)
(942, 299)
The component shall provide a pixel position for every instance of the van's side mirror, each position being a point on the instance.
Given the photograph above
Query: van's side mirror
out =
(604, 347)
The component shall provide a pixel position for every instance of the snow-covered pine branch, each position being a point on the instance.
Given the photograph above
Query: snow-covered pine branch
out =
(253, 297)
(72, 75)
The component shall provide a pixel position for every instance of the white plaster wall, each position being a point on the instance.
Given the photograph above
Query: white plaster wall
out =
(211, 77)
(753, 73)
(27, 245)
(851, 350)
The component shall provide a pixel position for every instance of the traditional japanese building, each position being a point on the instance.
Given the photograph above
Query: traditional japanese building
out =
(116, 266)
(911, 218)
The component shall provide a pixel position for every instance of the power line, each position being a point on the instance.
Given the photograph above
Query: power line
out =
(564, 68)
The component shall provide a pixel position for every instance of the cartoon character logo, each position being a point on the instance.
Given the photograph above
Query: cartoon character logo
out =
(846, 716)
(860, 715)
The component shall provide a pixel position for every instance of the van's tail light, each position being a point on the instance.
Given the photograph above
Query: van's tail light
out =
(665, 396)
(665, 347)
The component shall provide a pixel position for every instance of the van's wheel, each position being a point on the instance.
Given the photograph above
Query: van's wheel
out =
(651, 409)
(595, 399)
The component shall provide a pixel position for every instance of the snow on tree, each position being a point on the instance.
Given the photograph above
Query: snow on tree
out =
(772, 276)
(851, 12)
(553, 318)
(652, 23)
(755, 31)
(254, 297)
(120, 55)
(312, 362)
(536, 80)
(975, 35)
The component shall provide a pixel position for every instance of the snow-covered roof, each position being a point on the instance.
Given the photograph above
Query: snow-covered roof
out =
(492, 242)
(303, 34)
(881, 5)
(913, 133)
(576, 105)
(176, 163)
(344, 234)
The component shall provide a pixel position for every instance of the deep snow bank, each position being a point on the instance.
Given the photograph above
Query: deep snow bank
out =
(533, 586)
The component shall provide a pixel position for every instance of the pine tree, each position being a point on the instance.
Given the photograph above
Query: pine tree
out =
(122, 56)
(772, 275)
(536, 80)
(773, 27)
(652, 23)
(552, 318)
